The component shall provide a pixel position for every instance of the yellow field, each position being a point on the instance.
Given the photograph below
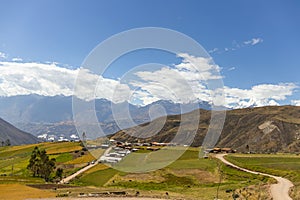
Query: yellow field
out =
(55, 148)
(17, 167)
(21, 192)
(83, 159)
(16, 148)
(97, 152)
(96, 168)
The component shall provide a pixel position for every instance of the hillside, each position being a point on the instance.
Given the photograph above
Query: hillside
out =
(16, 136)
(264, 129)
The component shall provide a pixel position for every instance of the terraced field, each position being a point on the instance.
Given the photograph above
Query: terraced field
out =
(14, 160)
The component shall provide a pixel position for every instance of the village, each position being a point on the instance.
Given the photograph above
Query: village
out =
(115, 151)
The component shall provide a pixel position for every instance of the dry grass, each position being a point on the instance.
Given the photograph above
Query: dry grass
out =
(16, 148)
(83, 159)
(155, 177)
(96, 168)
(20, 192)
(200, 175)
(58, 148)
(97, 152)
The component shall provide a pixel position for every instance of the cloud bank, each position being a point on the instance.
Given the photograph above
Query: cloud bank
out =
(295, 102)
(184, 82)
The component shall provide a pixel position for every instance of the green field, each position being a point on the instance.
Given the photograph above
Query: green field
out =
(14, 160)
(188, 178)
(284, 165)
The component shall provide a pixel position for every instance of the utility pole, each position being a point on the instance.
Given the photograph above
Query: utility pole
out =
(84, 138)
(12, 169)
(220, 179)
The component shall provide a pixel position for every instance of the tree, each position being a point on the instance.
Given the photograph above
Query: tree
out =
(47, 166)
(2, 143)
(40, 164)
(7, 142)
(34, 161)
(59, 173)
(248, 148)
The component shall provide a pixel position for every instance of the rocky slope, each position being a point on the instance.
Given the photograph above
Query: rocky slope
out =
(14, 135)
(264, 129)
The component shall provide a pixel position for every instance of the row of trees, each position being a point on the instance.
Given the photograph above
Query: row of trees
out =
(42, 166)
(5, 143)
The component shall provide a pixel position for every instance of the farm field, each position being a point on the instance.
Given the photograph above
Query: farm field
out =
(187, 178)
(20, 192)
(14, 160)
(284, 165)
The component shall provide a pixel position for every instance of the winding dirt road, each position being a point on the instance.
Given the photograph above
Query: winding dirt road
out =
(279, 191)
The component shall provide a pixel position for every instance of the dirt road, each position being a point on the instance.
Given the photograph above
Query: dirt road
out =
(279, 191)
(67, 179)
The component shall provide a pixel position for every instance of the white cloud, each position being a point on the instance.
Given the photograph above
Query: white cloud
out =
(197, 64)
(51, 80)
(181, 83)
(253, 41)
(17, 59)
(213, 50)
(295, 102)
(231, 68)
(3, 55)
(238, 45)
(259, 95)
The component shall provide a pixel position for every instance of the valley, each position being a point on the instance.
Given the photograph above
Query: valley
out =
(188, 177)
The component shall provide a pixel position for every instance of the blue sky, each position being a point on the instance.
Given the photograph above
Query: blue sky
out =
(253, 42)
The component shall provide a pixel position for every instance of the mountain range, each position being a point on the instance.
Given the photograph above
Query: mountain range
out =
(53, 115)
(262, 129)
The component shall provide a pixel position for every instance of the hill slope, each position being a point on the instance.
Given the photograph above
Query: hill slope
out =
(263, 129)
(16, 136)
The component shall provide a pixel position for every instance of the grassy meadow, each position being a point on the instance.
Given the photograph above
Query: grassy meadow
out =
(284, 165)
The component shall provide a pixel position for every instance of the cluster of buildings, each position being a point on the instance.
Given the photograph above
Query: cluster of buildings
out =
(58, 138)
(137, 145)
(116, 150)
(114, 155)
(220, 150)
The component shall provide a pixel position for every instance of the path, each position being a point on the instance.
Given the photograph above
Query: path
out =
(67, 179)
(279, 191)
